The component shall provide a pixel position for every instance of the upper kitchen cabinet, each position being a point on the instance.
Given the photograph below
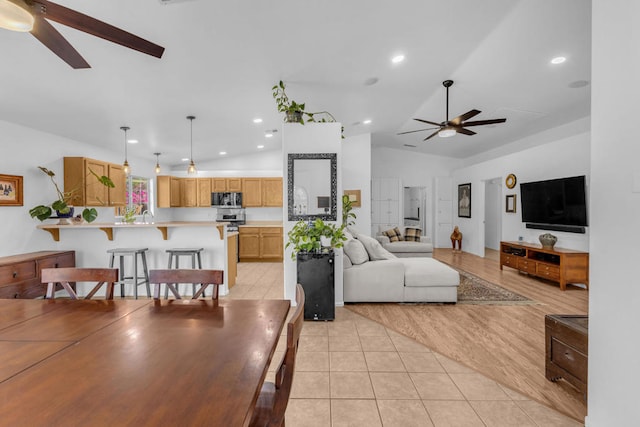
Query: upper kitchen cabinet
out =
(169, 192)
(272, 192)
(251, 192)
(221, 185)
(86, 189)
(189, 190)
(204, 192)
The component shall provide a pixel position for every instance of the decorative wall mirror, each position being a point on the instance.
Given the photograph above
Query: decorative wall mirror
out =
(312, 183)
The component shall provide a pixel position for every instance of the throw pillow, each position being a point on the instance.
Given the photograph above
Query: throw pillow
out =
(346, 261)
(374, 248)
(394, 234)
(356, 252)
(412, 234)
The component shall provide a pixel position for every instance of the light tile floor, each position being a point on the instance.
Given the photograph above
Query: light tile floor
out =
(355, 372)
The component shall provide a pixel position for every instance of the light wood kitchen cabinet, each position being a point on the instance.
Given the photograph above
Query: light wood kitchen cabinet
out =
(260, 244)
(175, 194)
(86, 189)
(251, 192)
(272, 192)
(221, 185)
(249, 243)
(204, 192)
(189, 192)
(271, 243)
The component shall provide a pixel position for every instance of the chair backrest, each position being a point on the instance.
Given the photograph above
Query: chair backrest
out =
(64, 276)
(284, 374)
(204, 277)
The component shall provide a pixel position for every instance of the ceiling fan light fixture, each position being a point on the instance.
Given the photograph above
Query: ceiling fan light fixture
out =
(15, 18)
(446, 133)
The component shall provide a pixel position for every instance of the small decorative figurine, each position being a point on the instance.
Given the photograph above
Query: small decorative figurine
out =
(456, 236)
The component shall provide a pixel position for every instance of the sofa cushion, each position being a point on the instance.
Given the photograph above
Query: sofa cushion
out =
(355, 251)
(415, 247)
(346, 261)
(393, 234)
(412, 234)
(374, 248)
(420, 272)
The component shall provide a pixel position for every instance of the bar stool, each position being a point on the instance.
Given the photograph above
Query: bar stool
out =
(175, 254)
(136, 280)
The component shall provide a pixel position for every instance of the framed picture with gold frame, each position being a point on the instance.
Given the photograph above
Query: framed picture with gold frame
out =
(510, 203)
(11, 190)
(354, 197)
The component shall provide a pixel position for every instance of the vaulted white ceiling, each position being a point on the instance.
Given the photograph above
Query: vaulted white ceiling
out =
(222, 58)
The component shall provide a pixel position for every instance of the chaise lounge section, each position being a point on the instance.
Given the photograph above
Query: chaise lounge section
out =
(372, 274)
(400, 245)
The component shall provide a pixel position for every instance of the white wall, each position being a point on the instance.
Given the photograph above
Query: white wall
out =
(311, 138)
(356, 175)
(614, 294)
(493, 214)
(414, 170)
(568, 156)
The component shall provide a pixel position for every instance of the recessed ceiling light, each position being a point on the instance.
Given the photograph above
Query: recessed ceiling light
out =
(367, 121)
(371, 81)
(260, 146)
(185, 159)
(268, 135)
(132, 141)
(257, 120)
(558, 60)
(397, 59)
(222, 153)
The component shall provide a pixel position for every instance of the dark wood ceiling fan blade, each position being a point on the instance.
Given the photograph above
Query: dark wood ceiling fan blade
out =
(432, 135)
(51, 38)
(484, 122)
(466, 116)
(87, 24)
(464, 131)
(428, 122)
(419, 130)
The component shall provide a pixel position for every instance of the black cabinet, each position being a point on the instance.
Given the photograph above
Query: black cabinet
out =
(316, 275)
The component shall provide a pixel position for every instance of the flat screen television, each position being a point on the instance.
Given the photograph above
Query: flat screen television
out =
(555, 204)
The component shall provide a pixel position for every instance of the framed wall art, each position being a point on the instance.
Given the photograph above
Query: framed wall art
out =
(510, 203)
(464, 200)
(11, 190)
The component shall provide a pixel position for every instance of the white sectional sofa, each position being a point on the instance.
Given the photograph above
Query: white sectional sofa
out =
(372, 274)
(404, 248)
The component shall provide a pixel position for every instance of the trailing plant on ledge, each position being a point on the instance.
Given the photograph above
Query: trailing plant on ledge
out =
(295, 112)
(59, 205)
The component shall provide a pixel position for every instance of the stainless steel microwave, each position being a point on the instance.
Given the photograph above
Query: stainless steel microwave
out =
(227, 199)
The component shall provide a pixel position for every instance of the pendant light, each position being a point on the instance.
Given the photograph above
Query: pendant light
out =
(14, 17)
(191, 170)
(127, 169)
(157, 162)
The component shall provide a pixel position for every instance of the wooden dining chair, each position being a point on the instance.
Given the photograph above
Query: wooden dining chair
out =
(174, 276)
(64, 276)
(274, 397)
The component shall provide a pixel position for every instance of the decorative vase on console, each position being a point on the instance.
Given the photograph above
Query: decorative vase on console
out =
(547, 240)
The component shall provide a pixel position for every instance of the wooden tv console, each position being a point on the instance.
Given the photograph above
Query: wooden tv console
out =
(557, 264)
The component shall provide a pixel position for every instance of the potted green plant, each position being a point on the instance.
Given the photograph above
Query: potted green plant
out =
(309, 236)
(294, 112)
(347, 215)
(59, 205)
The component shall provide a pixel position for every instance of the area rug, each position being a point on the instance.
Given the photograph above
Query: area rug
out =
(474, 290)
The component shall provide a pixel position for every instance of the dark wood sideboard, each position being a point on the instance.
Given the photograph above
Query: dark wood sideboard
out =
(557, 264)
(20, 274)
(567, 349)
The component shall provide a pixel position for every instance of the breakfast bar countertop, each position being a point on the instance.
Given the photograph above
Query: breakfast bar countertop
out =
(108, 227)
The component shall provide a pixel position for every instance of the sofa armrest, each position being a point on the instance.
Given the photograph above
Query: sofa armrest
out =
(425, 239)
(382, 239)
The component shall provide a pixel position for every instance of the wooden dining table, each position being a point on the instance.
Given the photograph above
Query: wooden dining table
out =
(135, 362)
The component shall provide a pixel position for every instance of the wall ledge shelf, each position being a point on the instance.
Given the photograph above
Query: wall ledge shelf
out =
(107, 227)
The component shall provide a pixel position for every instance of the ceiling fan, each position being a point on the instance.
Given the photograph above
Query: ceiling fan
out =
(37, 24)
(456, 125)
